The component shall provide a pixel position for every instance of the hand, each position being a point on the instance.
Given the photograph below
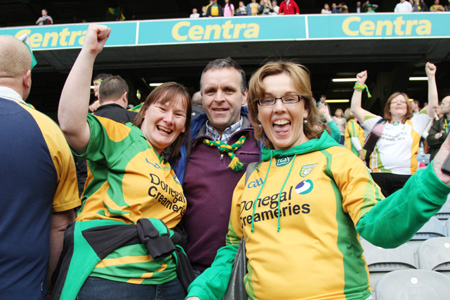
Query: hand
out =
(361, 77)
(96, 37)
(361, 155)
(324, 110)
(430, 69)
(439, 160)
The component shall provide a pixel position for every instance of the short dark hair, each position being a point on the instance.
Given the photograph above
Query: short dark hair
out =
(112, 88)
(223, 63)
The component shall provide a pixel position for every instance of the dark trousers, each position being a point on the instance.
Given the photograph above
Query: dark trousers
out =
(389, 183)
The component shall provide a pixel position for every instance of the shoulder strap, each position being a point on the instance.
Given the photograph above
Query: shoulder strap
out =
(251, 166)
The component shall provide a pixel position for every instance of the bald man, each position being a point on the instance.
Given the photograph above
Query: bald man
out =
(38, 186)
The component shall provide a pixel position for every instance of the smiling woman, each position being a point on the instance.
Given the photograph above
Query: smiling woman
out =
(311, 196)
(129, 183)
(393, 159)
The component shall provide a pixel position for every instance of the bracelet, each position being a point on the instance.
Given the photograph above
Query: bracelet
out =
(360, 87)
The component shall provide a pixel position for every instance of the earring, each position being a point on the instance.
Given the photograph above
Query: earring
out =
(305, 121)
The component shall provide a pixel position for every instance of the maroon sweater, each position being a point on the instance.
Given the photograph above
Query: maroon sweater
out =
(208, 187)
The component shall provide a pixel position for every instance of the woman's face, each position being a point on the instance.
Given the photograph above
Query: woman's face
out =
(163, 123)
(282, 123)
(398, 107)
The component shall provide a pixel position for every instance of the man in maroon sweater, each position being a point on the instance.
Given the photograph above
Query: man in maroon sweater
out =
(207, 174)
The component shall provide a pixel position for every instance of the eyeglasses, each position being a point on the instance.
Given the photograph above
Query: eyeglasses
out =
(288, 99)
(399, 101)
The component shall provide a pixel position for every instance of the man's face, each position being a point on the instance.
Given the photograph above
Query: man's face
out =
(97, 87)
(445, 105)
(222, 97)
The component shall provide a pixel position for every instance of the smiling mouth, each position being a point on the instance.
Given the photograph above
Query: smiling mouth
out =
(281, 126)
(163, 129)
(220, 109)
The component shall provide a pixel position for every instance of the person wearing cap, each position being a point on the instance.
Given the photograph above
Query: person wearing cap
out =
(38, 184)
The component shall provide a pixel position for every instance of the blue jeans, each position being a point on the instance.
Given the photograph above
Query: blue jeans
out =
(98, 288)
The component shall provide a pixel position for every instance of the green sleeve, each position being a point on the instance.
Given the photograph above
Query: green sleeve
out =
(335, 132)
(394, 220)
(213, 282)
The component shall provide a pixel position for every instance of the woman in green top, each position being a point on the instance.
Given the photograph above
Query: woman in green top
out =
(130, 189)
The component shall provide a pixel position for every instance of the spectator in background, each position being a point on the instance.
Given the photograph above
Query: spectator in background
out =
(228, 9)
(96, 82)
(197, 107)
(394, 158)
(354, 135)
(436, 7)
(275, 7)
(252, 8)
(415, 107)
(370, 8)
(194, 14)
(418, 6)
(45, 19)
(403, 7)
(334, 8)
(358, 7)
(367, 5)
(340, 122)
(343, 8)
(38, 184)
(113, 98)
(265, 8)
(326, 9)
(214, 9)
(242, 9)
(440, 128)
(289, 7)
(324, 112)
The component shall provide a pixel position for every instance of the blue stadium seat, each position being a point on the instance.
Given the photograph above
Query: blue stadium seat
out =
(413, 284)
(434, 255)
(381, 261)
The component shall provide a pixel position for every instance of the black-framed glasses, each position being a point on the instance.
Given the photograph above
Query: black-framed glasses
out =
(288, 99)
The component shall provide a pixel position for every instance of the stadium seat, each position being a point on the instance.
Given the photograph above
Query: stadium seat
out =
(444, 213)
(434, 255)
(433, 228)
(413, 284)
(381, 261)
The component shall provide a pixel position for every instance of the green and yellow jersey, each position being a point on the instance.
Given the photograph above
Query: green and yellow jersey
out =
(301, 212)
(128, 181)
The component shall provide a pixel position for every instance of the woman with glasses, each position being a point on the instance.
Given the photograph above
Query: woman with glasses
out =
(302, 209)
(393, 159)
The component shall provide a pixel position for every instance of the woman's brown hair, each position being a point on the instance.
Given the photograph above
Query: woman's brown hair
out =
(387, 113)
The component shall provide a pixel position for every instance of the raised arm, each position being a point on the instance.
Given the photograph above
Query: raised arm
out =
(74, 102)
(356, 107)
(430, 69)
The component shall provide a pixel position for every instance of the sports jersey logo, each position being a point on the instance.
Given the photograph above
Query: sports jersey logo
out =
(304, 187)
(256, 183)
(306, 169)
(282, 161)
(153, 164)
